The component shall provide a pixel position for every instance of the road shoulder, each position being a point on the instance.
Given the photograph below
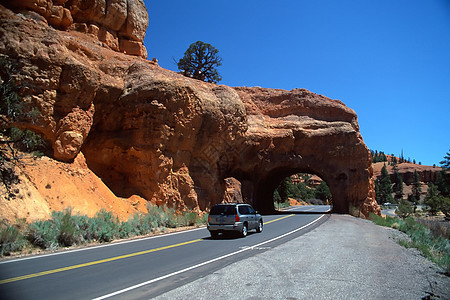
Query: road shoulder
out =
(345, 257)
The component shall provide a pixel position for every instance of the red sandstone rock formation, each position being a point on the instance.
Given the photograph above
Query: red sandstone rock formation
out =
(406, 170)
(118, 24)
(233, 191)
(169, 139)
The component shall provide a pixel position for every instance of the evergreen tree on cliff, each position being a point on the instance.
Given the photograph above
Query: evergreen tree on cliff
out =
(432, 199)
(416, 188)
(384, 187)
(443, 183)
(200, 61)
(445, 164)
(398, 186)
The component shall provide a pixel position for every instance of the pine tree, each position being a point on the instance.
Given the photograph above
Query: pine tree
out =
(398, 187)
(445, 206)
(284, 190)
(200, 61)
(377, 190)
(405, 209)
(385, 187)
(416, 188)
(445, 163)
(323, 192)
(394, 161)
(432, 199)
(443, 184)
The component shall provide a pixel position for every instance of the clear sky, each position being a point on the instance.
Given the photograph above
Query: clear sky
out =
(389, 60)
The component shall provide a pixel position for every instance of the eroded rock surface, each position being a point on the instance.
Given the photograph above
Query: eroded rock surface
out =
(173, 140)
(117, 24)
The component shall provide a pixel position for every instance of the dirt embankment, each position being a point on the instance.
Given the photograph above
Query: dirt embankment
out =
(47, 185)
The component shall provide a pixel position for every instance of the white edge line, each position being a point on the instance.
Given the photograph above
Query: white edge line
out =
(105, 245)
(203, 263)
(99, 246)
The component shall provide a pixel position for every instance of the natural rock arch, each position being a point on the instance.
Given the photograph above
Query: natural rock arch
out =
(349, 179)
(298, 131)
(174, 140)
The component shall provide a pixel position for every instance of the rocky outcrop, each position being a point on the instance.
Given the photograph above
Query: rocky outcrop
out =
(426, 174)
(118, 24)
(233, 191)
(298, 131)
(169, 139)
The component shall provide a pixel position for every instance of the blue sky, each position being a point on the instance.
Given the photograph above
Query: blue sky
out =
(389, 60)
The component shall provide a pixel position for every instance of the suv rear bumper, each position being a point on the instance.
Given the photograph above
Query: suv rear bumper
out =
(219, 227)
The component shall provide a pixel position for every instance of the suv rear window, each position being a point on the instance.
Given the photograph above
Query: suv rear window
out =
(223, 209)
(244, 210)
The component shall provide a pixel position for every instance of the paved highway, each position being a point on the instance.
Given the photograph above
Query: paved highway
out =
(146, 267)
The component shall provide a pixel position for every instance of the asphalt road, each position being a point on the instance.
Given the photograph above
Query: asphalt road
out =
(344, 258)
(146, 267)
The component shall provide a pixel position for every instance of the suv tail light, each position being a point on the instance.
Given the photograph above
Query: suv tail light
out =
(236, 218)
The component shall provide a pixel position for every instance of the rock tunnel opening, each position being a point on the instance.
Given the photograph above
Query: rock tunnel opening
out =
(302, 189)
(266, 188)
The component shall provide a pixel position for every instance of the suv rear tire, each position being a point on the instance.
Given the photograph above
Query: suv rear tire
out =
(260, 227)
(244, 230)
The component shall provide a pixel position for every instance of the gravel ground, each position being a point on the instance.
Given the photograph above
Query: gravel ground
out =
(344, 258)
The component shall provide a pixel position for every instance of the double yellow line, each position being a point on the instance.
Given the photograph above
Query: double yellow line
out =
(96, 262)
(279, 219)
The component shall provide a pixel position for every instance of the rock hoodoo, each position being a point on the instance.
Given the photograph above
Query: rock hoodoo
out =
(169, 139)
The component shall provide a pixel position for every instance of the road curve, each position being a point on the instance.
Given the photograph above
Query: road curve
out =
(146, 267)
(344, 258)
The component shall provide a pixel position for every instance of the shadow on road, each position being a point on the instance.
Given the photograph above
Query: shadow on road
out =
(228, 236)
(290, 212)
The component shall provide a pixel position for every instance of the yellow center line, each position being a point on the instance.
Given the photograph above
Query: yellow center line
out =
(279, 219)
(96, 262)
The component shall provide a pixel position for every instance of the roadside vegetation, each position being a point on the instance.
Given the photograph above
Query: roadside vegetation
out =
(389, 189)
(433, 243)
(424, 219)
(14, 111)
(65, 229)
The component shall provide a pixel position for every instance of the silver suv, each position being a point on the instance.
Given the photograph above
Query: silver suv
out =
(233, 217)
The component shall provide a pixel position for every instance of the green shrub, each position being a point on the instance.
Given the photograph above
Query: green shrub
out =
(10, 102)
(437, 249)
(139, 224)
(83, 228)
(42, 234)
(445, 206)
(203, 220)
(11, 239)
(405, 208)
(190, 218)
(68, 234)
(163, 216)
(27, 140)
(104, 227)
(387, 222)
(65, 229)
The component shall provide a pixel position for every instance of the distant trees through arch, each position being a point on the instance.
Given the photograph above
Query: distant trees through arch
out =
(302, 188)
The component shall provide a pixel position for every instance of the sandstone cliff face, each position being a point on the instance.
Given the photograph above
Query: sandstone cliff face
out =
(118, 24)
(173, 140)
(427, 174)
(299, 131)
